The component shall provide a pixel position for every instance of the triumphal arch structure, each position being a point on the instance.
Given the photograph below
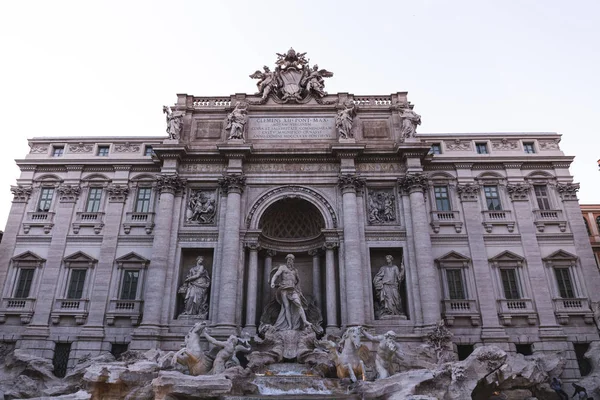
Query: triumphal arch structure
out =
(126, 242)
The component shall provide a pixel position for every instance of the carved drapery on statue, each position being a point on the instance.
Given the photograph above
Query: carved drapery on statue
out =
(195, 290)
(387, 284)
(236, 121)
(174, 123)
(201, 207)
(292, 80)
(344, 120)
(410, 120)
(382, 207)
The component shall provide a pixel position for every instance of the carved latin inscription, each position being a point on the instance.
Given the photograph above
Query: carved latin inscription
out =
(292, 128)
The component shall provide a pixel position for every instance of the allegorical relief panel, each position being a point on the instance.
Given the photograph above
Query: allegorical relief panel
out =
(381, 207)
(201, 207)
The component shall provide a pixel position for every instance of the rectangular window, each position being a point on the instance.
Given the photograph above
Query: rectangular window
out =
(442, 200)
(541, 194)
(116, 349)
(57, 151)
(565, 286)
(142, 202)
(148, 151)
(456, 289)
(103, 151)
(509, 283)
(61, 359)
(436, 148)
(24, 283)
(492, 198)
(528, 148)
(129, 285)
(481, 148)
(76, 283)
(93, 200)
(45, 199)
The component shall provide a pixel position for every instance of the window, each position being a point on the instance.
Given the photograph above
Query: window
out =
(76, 283)
(587, 227)
(456, 289)
(148, 151)
(57, 151)
(464, 351)
(45, 199)
(528, 148)
(116, 349)
(510, 283)
(129, 285)
(541, 194)
(103, 151)
(142, 202)
(442, 200)
(526, 349)
(93, 200)
(24, 283)
(584, 365)
(61, 359)
(436, 148)
(492, 198)
(481, 148)
(565, 285)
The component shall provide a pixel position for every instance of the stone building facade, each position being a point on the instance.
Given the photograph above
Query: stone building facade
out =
(103, 231)
(591, 219)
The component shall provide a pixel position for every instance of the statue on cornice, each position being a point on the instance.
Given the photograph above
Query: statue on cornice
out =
(291, 59)
(236, 121)
(345, 119)
(174, 123)
(267, 82)
(410, 120)
(313, 80)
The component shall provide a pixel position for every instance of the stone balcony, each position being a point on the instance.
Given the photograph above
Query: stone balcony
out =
(446, 218)
(93, 220)
(454, 308)
(511, 308)
(124, 309)
(39, 219)
(135, 220)
(20, 307)
(76, 308)
(542, 218)
(565, 308)
(498, 218)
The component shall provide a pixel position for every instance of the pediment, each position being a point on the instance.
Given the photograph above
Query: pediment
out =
(28, 256)
(132, 257)
(453, 256)
(507, 256)
(80, 256)
(560, 255)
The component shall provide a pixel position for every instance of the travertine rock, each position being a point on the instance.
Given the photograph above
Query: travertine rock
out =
(171, 384)
(592, 382)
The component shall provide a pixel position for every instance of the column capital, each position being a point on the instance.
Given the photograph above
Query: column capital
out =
(170, 183)
(468, 191)
(567, 191)
(252, 246)
(518, 191)
(117, 193)
(314, 252)
(414, 182)
(350, 182)
(271, 253)
(233, 183)
(68, 193)
(21, 193)
(330, 245)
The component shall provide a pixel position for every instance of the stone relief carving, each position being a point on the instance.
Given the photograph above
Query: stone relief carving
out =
(410, 120)
(232, 183)
(387, 284)
(236, 121)
(201, 207)
(170, 183)
(519, 191)
(117, 193)
(567, 191)
(504, 144)
(21, 193)
(468, 192)
(292, 80)
(549, 144)
(127, 148)
(457, 145)
(174, 123)
(39, 148)
(414, 181)
(68, 193)
(195, 291)
(344, 120)
(382, 207)
(81, 148)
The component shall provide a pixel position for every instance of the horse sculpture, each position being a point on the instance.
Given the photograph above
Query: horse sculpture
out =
(350, 363)
(192, 354)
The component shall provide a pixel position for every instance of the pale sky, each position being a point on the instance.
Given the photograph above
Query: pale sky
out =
(84, 68)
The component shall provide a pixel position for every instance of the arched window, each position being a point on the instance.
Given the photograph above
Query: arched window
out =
(587, 227)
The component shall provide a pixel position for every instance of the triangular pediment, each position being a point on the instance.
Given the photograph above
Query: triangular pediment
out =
(560, 255)
(80, 256)
(28, 256)
(132, 257)
(453, 256)
(507, 256)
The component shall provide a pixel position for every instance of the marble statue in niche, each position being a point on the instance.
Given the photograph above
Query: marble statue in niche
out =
(382, 207)
(195, 289)
(387, 284)
(201, 207)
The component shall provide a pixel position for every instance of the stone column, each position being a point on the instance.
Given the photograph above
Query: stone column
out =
(331, 286)
(316, 276)
(167, 185)
(349, 183)
(233, 185)
(266, 275)
(251, 295)
(415, 185)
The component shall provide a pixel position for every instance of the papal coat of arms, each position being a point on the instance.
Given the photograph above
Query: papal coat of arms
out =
(293, 80)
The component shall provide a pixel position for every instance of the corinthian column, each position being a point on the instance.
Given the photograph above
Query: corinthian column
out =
(252, 285)
(316, 275)
(331, 284)
(352, 256)
(233, 185)
(415, 185)
(167, 185)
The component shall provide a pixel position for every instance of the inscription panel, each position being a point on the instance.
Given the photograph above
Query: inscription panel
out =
(277, 128)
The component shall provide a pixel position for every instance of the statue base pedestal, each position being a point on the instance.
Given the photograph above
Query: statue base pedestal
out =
(192, 317)
(347, 140)
(391, 318)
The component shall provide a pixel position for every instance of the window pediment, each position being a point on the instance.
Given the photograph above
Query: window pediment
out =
(507, 258)
(79, 258)
(132, 259)
(29, 258)
(560, 257)
(453, 259)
